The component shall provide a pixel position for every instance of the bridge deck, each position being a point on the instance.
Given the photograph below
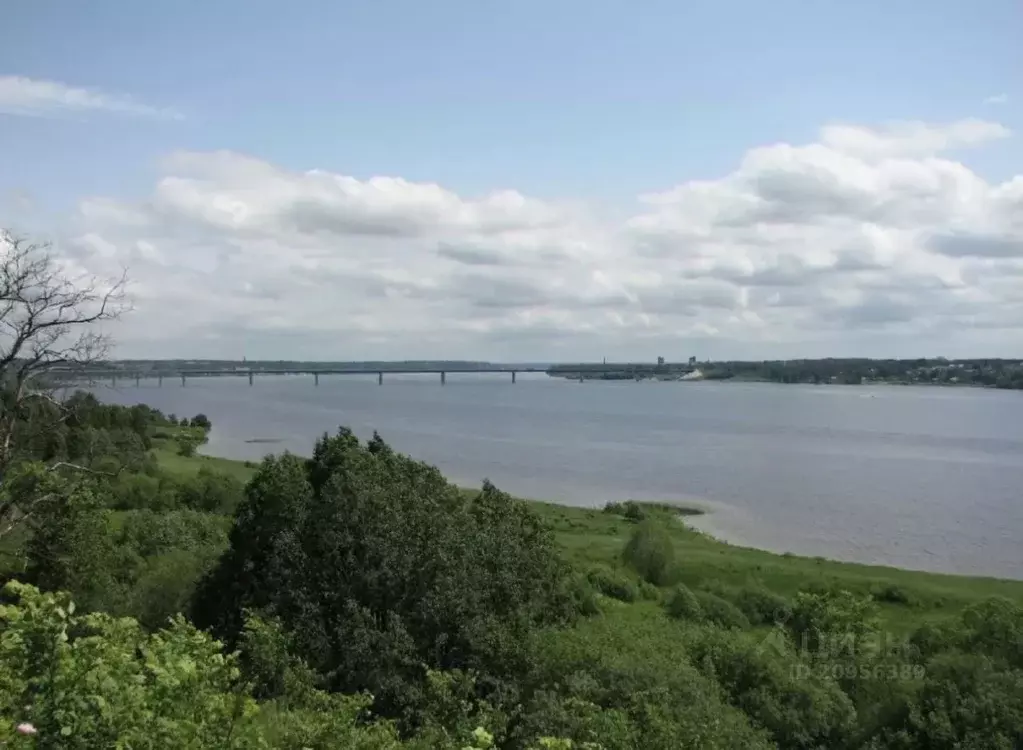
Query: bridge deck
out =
(579, 369)
(302, 371)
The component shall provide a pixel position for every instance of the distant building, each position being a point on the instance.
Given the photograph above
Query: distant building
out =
(660, 360)
(692, 361)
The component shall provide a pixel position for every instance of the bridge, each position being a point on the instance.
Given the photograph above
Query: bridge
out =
(115, 375)
(580, 371)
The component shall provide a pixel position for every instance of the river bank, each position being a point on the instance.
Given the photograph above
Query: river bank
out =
(923, 479)
(591, 537)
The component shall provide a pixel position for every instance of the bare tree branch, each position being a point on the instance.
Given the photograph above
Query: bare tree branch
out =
(86, 469)
(48, 326)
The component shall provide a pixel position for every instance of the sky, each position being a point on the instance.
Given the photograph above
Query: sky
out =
(526, 181)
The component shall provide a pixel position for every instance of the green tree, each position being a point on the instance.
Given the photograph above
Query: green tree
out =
(264, 561)
(650, 552)
(800, 708)
(70, 547)
(188, 442)
(211, 491)
(684, 604)
(378, 567)
(965, 703)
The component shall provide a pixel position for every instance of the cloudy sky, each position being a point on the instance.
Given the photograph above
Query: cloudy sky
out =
(528, 180)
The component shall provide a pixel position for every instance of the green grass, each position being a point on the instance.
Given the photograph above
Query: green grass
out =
(166, 452)
(591, 537)
(181, 466)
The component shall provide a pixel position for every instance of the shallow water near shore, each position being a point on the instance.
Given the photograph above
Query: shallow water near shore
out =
(915, 477)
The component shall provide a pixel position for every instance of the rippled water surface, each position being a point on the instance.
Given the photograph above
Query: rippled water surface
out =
(925, 478)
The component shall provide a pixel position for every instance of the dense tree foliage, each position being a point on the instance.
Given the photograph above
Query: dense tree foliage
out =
(998, 373)
(381, 569)
(365, 602)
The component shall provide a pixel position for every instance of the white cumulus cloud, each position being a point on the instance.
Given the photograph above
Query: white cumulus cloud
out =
(865, 241)
(28, 96)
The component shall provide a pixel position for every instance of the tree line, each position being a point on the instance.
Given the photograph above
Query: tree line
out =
(997, 373)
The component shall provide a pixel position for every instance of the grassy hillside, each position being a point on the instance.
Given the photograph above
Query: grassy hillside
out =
(593, 538)
(372, 607)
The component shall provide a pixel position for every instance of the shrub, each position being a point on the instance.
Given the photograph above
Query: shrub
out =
(78, 682)
(164, 584)
(721, 611)
(801, 710)
(97, 681)
(613, 583)
(583, 596)
(965, 701)
(683, 604)
(892, 594)
(650, 553)
(649, 592)
(634, 512)
(211, 491)
(138, 491)
(629, 510)
(761, 606)
(187, 445)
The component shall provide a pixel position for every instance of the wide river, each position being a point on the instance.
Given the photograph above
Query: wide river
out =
(925, 478)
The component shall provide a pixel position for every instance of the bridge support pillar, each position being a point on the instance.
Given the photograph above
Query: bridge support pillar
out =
(513, 376)
(443, 377)
(137, 379)
(580, 377)
(182, 381)
(316, 378)
(250, 378)
(159, 380)
(380, 378)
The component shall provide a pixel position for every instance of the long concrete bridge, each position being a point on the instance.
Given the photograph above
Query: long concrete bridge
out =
(184, 374)
(580, 371)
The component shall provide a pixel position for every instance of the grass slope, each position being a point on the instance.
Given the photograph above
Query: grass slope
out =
(591, 537)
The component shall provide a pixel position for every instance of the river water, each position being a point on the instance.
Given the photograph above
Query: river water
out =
(916, 477)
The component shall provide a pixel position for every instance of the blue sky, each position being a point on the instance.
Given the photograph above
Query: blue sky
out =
(553, 98)
(589, 103)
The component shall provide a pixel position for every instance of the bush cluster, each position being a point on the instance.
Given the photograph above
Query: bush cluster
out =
(650, 552)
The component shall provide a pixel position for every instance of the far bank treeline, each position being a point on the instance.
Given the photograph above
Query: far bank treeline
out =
(991, 373)
(357, 599)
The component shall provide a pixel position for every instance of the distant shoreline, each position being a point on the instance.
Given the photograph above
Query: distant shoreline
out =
(868, 383)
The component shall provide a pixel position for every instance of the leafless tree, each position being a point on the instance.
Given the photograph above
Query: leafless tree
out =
(48, 328)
